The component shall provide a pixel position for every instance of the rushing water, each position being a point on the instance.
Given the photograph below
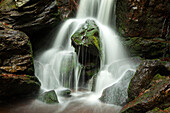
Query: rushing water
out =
(51, 65)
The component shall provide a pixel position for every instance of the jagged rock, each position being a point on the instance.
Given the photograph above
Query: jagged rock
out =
(144, 75)
(16, 64)
(150, 98)
(143, 18)
(36, 18)
(147, 48)
(49, 97)
(86, 41)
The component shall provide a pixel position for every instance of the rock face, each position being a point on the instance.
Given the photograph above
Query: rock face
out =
(154, 96)
(143, 18)
(147, 48)
(16, 64)
(149, 89)
(86, 42)
(36, 18)
(29, 15)
(144, 24)
(144, 75)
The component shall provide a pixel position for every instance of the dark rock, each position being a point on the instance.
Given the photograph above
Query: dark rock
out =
(143, 18)
(36, 18)
(151, 98)
(12, 85)
(144, 75)
(68, 8)
(49, 97)
(15, 53)
(158, 110)
(147, 48)
(30, 15)
(86, 42)
(16, 64)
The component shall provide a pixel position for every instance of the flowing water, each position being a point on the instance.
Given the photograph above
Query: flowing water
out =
(51, 66)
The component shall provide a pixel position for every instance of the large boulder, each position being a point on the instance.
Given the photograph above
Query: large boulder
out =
(36, 18)
(16, 64)
(150, 98)
(144, 75)
(86, 41)
(143, 18)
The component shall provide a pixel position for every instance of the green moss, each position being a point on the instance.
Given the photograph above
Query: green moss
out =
(158, 76)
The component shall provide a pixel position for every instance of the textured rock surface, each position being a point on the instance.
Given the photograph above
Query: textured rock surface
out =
(16, 64)
(147, 48)
(86, 42)
(36, 18)
(49, 97)
(144, 75)
(143, 18)
(15, 53)
(12, 85)
(151, 98)
(31, 15)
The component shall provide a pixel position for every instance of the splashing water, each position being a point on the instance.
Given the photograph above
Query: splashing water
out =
(58, 66)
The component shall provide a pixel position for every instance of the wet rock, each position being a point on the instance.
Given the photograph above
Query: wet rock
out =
(144, 75)
(150, 98)
(15, 53)
(86, 41)
(12, 85)
(49, 97)
(143, 18)
(117, 93)
(36, 18)
(16, 64)
(65, 92)
(147, 48)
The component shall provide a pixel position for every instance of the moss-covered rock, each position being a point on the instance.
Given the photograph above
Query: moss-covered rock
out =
(86, 41)
(147, 48)
(15, 86)
(16, 64)
(144, 75)
(49, 97)
(150, 98)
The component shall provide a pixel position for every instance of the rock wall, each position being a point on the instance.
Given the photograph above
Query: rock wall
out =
(143, 18)
(145, 26)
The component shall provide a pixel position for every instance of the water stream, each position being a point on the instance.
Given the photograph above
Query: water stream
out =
(51, 65)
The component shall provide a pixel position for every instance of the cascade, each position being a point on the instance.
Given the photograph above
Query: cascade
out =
(54, 67)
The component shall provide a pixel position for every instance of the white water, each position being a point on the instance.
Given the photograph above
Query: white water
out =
(51, 64)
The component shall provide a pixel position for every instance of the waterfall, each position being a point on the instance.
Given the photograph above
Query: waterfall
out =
(58, 66)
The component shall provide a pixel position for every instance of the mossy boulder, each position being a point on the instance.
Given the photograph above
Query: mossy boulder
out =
(16, 64)
(49, 97)
(147, 48)
(150, 98)
(144, 75)
(86, 41)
